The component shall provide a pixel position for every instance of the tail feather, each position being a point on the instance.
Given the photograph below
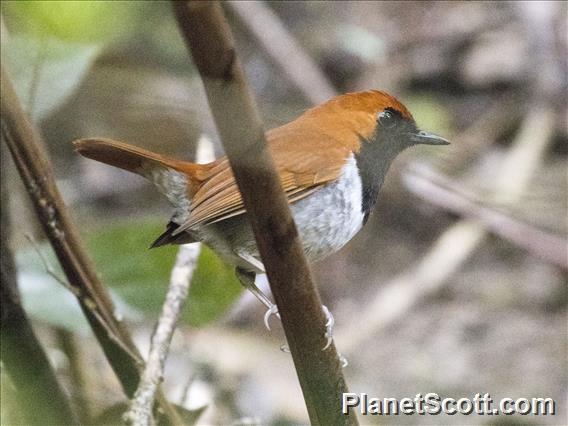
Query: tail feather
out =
(167, 238)
(154, 167)
(177, 180)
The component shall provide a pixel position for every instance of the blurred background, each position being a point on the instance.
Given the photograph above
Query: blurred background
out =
(457, 285)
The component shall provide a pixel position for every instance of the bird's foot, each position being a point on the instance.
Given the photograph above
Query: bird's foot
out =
(342, 360)
(329, 323)
(247, 279)
(272, 310)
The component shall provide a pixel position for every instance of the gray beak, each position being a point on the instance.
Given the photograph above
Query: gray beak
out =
(426, 138)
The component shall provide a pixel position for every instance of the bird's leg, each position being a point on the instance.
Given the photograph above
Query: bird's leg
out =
(247, 280)
(257, 264)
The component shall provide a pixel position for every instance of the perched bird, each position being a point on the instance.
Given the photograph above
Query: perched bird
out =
(332, 161)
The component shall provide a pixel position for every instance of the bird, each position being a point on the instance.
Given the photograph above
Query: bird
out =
(331, 161)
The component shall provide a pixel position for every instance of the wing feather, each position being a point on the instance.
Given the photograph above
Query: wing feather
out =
(306, 160)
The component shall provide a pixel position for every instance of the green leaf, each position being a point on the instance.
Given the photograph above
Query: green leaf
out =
(213, 290)
(125, 263)
(138, 278)
(46, 71)
(46, 300)
(141, 276)
(191, 417)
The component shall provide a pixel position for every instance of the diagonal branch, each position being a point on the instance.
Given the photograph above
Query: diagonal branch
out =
(38, 394)
(284, 50)
(35, 169)
(210, 42)
(440, 190)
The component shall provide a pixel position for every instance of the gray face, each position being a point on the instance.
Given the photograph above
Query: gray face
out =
(394, 134)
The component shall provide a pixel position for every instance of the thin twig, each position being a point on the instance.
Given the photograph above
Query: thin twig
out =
(184, 394)
(49, 269)
(209, 39)
(140, 412)
(35, 169)
(141, 407)
(441, 191)
(79, 294)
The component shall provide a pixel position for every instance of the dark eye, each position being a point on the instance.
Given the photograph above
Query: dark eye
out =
(386, 119)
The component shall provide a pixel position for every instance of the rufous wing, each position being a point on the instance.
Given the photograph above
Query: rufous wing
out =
(309, 152)
(306, 159)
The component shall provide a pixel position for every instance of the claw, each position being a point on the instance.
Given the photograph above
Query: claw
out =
(329, 323)
(273, 310)
(328, 327)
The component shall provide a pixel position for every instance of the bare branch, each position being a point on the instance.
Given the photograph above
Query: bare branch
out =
(141, 408)
(440, 190)
(140, 412)
(41, 398)
(210, 42)
(36, 172)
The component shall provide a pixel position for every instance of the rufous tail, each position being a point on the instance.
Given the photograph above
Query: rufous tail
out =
(142, 162)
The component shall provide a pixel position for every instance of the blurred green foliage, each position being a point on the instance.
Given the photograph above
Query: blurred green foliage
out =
(86, 21)
(46, 71)
(430, 114)
(213, 290)
(138, 278)
(48, 50)
(144, 32)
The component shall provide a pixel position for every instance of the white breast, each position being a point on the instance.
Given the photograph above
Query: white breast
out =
(331, 217)
(326, 221)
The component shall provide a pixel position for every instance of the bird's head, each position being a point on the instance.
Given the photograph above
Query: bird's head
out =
(373, 117)
(374, 127)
